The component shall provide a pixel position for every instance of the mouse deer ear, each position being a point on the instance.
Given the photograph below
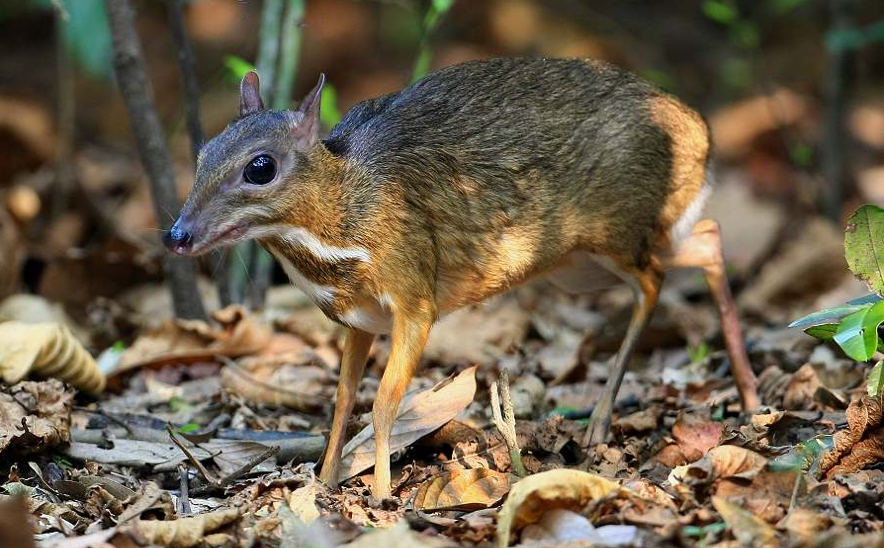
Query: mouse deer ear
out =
(308, 128)
(250, 94)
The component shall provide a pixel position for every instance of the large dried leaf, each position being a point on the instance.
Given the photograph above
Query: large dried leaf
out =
(183, 532)
(34, 416)
(864, 246)
(471, 489)
(47, 350)
(532, 497)
(195, 340)
(399, 536)
(418, 415)
(747, 528)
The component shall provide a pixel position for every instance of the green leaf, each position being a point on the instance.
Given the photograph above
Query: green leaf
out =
(189, 427)
(857, 334)
(824, 332)
(875, 382)
(864, 246)
(698, 353)
(237, 67)
(442, 5)
(702, 532)
(834, 314)
(329, 113)
(720, 12)
(803, 456)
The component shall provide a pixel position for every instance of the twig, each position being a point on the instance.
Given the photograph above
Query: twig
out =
(184, 496)
(215, 483)
(835, 139)
(66, 104)
(138, 96)
(506, 424)
(208, 476)
(190, 88)
(188, 76)
(291, 49)
(268, 49)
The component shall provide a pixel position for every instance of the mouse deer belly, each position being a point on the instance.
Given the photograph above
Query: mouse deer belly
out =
(583, 271)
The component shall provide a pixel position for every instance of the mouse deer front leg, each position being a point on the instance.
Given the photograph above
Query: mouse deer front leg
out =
(357, 345)
(411, 327)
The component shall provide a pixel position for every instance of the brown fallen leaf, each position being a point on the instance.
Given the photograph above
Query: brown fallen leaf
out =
(47, 350)
(274, 383)
(34, 416)
(748, 529)
(464, 490)
(188, 341)
(696, 435)
(183, 532)
(418, 415)
(802, 388)
(724, 461)
(532, 497)
(861, 443)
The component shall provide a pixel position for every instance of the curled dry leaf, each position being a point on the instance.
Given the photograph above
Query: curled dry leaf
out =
(34, 416)
(195, 340)
(724, 461)
(418, 415)
(47, 350)
(532, 497)
(466, 490)
(181, 533)
(861, 443)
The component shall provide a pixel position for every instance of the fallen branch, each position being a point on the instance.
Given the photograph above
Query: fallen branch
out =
(506, 423)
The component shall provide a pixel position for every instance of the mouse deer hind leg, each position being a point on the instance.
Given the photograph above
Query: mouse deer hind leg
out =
(646, 287)
(703, 249)
(357, 345)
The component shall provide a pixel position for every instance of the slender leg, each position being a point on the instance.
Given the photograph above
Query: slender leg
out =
(407, 344)
(703, 249)
(356, 346)
(646, 293)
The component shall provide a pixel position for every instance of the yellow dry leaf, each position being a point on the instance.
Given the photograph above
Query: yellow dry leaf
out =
(466, 490)
(748, 529)
(184, 532)
(302, 503)
(535, 495)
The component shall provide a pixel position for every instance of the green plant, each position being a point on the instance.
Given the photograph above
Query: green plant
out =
(854, 326)
(437, 9)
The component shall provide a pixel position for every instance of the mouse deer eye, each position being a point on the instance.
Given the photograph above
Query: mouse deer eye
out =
(260, 170)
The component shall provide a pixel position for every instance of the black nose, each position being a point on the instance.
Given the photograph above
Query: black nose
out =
(177, 239)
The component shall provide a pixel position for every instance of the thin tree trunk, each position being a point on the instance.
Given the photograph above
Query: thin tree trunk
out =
(835, 137)
(66, 104)
(190, 89)
(138, 96)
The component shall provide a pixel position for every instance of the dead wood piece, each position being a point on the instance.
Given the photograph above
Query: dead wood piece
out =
(506, 424)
